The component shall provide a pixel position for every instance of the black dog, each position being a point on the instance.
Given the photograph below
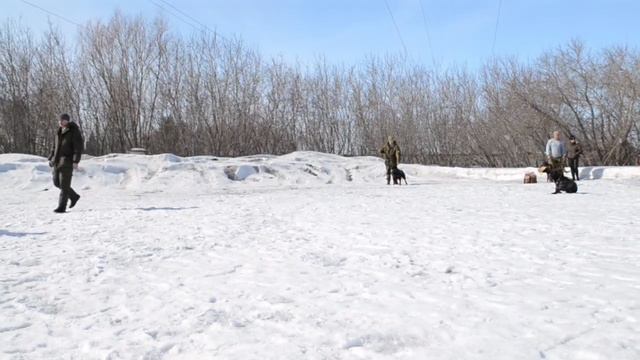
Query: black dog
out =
(398, 176)
(563, 183)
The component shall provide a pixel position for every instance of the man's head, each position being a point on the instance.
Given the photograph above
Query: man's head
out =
(557, 135)
(390, 139)
(64, 120)
(572, 139)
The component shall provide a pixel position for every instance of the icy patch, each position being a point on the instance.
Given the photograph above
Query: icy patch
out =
(114, 169)
(7, 167)
(244, 171)
(169, 158)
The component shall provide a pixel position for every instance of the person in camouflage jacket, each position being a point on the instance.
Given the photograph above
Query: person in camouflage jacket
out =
(391, 154)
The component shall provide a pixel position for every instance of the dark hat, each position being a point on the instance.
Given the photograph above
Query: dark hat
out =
(572, 137)
(65, 117)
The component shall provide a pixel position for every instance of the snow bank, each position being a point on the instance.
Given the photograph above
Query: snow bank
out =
(516, 174)
(170, 172)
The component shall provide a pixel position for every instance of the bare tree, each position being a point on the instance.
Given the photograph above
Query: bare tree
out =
(130, 82)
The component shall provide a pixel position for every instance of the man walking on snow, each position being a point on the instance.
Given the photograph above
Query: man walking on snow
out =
(391, 154)
(64, 158)
(556, 151)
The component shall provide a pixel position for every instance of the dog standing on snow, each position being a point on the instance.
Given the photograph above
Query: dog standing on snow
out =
(563, 183)
(398, 176)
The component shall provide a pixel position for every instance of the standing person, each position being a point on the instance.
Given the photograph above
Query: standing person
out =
(556, 151)
(391, 154)
(574, 150)
(64, 158)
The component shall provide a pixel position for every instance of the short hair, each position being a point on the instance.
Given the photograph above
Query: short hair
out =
(65, 117)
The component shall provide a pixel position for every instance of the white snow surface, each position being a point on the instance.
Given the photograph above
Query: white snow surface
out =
(312, 256)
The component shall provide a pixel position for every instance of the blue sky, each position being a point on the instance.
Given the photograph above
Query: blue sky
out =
(346, 31)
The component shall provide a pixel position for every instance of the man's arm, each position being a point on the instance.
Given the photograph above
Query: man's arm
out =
(52, 153)
(78, 146)
(50, 158)
(548, 149)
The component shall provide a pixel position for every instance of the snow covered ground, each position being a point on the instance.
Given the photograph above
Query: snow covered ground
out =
(311, 256)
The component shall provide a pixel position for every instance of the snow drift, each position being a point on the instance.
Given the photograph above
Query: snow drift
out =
(166, 171)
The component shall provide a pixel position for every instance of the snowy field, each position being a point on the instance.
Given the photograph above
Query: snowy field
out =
(311, 256)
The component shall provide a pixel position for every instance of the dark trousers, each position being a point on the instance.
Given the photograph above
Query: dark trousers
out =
(573, 164)
(62, 180)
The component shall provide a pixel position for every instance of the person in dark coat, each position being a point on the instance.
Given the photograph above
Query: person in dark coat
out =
(574, 150)
(64, 159)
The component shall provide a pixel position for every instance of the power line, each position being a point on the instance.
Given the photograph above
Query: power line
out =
(185, 15)
(426, 29)
(495, 32)
(173, 13)
(203, 26)
(396, 26)
(51, 13)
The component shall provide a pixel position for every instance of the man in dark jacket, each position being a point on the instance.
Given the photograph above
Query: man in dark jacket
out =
(64, 158)
(574, 150)
(391, 154)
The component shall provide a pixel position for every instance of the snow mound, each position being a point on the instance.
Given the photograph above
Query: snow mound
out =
(171, 172)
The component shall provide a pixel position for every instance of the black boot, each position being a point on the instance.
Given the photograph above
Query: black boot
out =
(74, 200)
(62, 203)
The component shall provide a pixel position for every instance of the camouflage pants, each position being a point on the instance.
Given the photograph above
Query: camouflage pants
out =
(62, 180)
(557, 163)
(390, 167)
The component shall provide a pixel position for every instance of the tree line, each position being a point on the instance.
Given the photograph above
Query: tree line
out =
(131, 82)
